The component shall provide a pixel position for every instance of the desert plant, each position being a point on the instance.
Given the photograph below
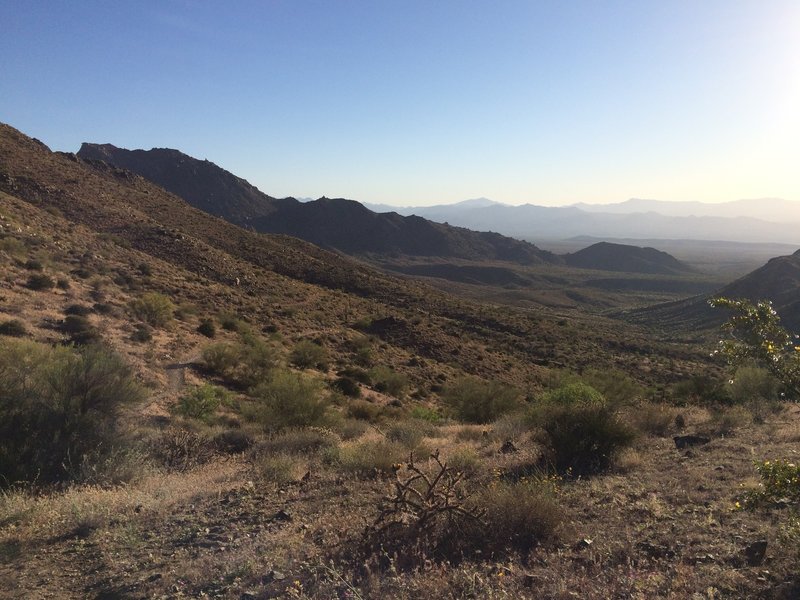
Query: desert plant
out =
(13, 328)
(367, 457)
(245, 363)
(653, 418)
(288, 399)
(582, 434)
(309, 355)
(79, 330)
(181, 449)
(40, 281)
(388, 381)
(153, 308)
(423, 517)
(207, 328)
(476, 401)
(201, 402)
(346, 386)
(518, 515)
(297, 441)
(58, 408)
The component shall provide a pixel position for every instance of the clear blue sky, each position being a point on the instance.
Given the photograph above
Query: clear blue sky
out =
(419, 102)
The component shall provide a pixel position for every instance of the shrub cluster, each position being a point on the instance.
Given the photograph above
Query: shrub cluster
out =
(288, 399)
(153, 308)
(476, 401)
(582, 433)
(57, 408)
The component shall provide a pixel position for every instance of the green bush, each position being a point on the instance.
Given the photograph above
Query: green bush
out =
(297, 441)
(476, 401)
(207, 328)
(39, 281)
(201, 402)
(58, 409)
(347, 386)
(245, 363)
(308, 355)
(387, 381)
(153, 308)
(80, 330)
(582, 434)
(13, 328)
(617, 387)
(288, 399)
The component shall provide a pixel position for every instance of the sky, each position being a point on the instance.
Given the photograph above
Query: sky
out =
(421, 102)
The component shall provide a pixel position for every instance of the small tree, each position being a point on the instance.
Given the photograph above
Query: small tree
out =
(755, 335)
(154, 309)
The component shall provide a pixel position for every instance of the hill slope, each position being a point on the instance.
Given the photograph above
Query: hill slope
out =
(339, 224)
(777, 281)
(632, 259)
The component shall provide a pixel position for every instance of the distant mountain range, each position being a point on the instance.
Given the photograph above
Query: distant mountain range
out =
(338, 224)
(762, 220)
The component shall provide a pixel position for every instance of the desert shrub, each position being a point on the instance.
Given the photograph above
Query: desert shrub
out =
(12, 246)
(80, 310)
(356, 374)
(702, 390)
(142, 332)
(79, 330)
(258, 360)
(582, 434)
(346, 386)
(201, 402)
(221, 359)
(185, 310)
(181, 449)
(518, 515)
(388, 381)
(426, 413)
(308, 355)
(464, 460)
(757, 389)
(616, 387)
(230, 322)
(207, 328)
(58, 408)
(34, 264)
(476, 401)
(145, 269)
(288, 399)
(350, 429)
(410, 432)
(245, 363)
(363, 410)
(39, 281)
(233, 441)
(153, 308)
(62, 283)
(297, 441)
(278, 468)
(13, 328)
(368, 456)
(727, 419)
(424, 518)
(653, 418)
(780, 481)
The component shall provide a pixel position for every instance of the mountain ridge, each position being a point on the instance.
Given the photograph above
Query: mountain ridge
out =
(339, 224)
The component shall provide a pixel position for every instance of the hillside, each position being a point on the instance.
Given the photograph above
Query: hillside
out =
(332, 223)
(778, 281)
(279, 397)
(631, 259)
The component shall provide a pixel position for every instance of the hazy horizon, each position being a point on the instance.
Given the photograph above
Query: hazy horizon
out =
(417, 104)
